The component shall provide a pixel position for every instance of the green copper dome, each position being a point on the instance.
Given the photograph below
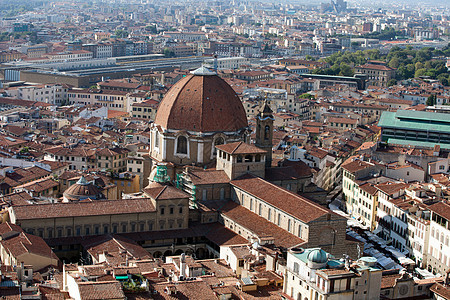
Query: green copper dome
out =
(317, 256)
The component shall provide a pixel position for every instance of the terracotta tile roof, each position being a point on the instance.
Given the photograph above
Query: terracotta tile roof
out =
(209, 176)
(222, 236)
(441, 290)
(20, 198)
(369, 188)
(240, 148)
(147, 103)
(442, 209)
(24, 103)
(20, 243)
(375, 67)
(116, 114)
(16, 130)
(20, 176)
(115, 245)
(342, 120)
(269, 292)
(111, 152)
(391, 188)
(160, 191)
(39, 186)
(293, 204)
(201, 104)
(260, 226)
(356, 165)
(64, 151)
(101, 290)
(317, 152)
(8, 227)
(388, 281)
(198, 290)
(219, 267)
(7, 141)
(288, 170)
(78, 209)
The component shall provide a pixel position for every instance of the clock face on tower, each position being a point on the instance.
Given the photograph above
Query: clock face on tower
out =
(403, 290)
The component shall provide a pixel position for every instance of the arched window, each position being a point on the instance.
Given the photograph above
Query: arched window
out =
(218, 141)
(267, 132)
(239, 158)
(156, 139)
(248, 158)
(182, 145)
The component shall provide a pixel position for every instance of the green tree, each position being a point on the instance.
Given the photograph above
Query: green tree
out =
(345, 70)
(306, 96)
(168, 53)
(394, 63)
(419, 65)
(431, 100)
(420, 72)
(120, 33)
(443, 78)
(392, 82)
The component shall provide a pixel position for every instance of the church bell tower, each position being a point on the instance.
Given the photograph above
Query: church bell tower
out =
(264, 131)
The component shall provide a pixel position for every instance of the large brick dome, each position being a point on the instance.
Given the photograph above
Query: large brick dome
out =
(201, 102)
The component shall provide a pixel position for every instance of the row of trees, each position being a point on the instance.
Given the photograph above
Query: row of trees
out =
(409, 62)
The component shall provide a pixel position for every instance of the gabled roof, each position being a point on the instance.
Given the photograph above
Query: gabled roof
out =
(442, 209)
(164, 192)
(259, 225)
(17, 242)
(287, 201)
(115, 245)
(101, 290)
(79, 209)
(240, 148)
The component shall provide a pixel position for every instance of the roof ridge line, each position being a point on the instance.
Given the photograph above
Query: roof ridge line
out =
(237, 146)
(159, 194)
(297, 195)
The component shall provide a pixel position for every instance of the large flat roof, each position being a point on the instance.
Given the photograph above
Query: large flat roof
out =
(416, 120)
(416, 143)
